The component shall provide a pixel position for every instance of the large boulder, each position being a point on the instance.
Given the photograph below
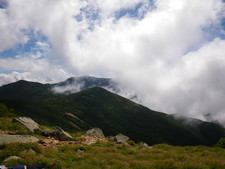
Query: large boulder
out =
(57, 133)
(28, 123)
(7, 139)
(120, 138)
(61, 135)
(95, 132)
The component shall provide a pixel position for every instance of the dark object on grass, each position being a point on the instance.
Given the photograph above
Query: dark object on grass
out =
(35, 166)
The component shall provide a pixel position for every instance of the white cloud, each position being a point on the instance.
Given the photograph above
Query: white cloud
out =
(13, 77)
(70, 88)
(169, 57)
(33, 69)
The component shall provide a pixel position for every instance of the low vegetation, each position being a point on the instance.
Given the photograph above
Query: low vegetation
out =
(107, 155)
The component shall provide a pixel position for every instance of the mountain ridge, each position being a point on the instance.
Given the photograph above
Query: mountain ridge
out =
(97, 107)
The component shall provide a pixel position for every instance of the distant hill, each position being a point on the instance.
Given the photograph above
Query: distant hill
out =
(97, 107)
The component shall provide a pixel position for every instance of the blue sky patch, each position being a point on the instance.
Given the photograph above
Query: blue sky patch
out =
(23, 49)
(137, 11)
(3, 4)
(90, 14)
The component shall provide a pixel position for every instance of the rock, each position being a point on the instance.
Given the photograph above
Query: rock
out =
(57, 133)
(62, 135)
(90, 140)
(120, 138)
(28, 123)
(80, 151)
(144, 145)
(95, 132)
(48, 133)
(7, 139)
(29, 151)
(12, 158)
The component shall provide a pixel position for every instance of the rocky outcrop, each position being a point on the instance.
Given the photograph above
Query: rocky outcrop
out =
(95, 132)
(28, 123)
(57, 133)
(6, 139)
(120, 139)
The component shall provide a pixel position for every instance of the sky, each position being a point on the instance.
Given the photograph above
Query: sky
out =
(170, 52)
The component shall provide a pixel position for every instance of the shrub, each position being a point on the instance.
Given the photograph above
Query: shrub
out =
(130, 142)
(5, 111)
(221, 143)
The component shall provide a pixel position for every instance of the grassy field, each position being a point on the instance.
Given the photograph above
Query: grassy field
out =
(109, 155)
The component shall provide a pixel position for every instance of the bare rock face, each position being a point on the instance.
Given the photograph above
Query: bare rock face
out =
(7, 139)
(28, 123)
(95, 132)
(120, 138)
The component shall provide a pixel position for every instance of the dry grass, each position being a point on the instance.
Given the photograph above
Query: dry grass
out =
(114, 156)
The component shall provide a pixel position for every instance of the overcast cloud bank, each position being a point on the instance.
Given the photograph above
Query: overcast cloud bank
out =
(169, 52)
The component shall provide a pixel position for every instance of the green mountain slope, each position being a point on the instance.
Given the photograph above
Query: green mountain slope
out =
(24, 90)
(97, 107)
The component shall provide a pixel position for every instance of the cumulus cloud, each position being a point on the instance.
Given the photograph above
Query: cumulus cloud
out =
(69, 88)
(166, 51)
(31, 68)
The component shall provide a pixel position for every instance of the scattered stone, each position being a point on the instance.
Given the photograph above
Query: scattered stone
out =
(7, 139)
(47, 141)
(80, 151)
(144, 145)
(12, 158)
(120, 139)
(28, 123)
(29, 151)
(95, 132)
(90, 140)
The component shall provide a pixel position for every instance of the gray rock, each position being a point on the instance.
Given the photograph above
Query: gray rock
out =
(62, 135)
(57, 133)
(28, 123)
(144, 145)
(7, 139)
(120, 138)
(95, 132)
(12, 158)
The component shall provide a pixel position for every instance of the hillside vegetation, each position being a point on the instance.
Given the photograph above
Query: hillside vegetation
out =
(109, 154)
(97, 107)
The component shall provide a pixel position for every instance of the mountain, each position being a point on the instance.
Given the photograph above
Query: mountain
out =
(97, 107)
(73, 85)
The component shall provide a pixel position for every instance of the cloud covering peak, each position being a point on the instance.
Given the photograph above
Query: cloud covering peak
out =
(169, 52)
